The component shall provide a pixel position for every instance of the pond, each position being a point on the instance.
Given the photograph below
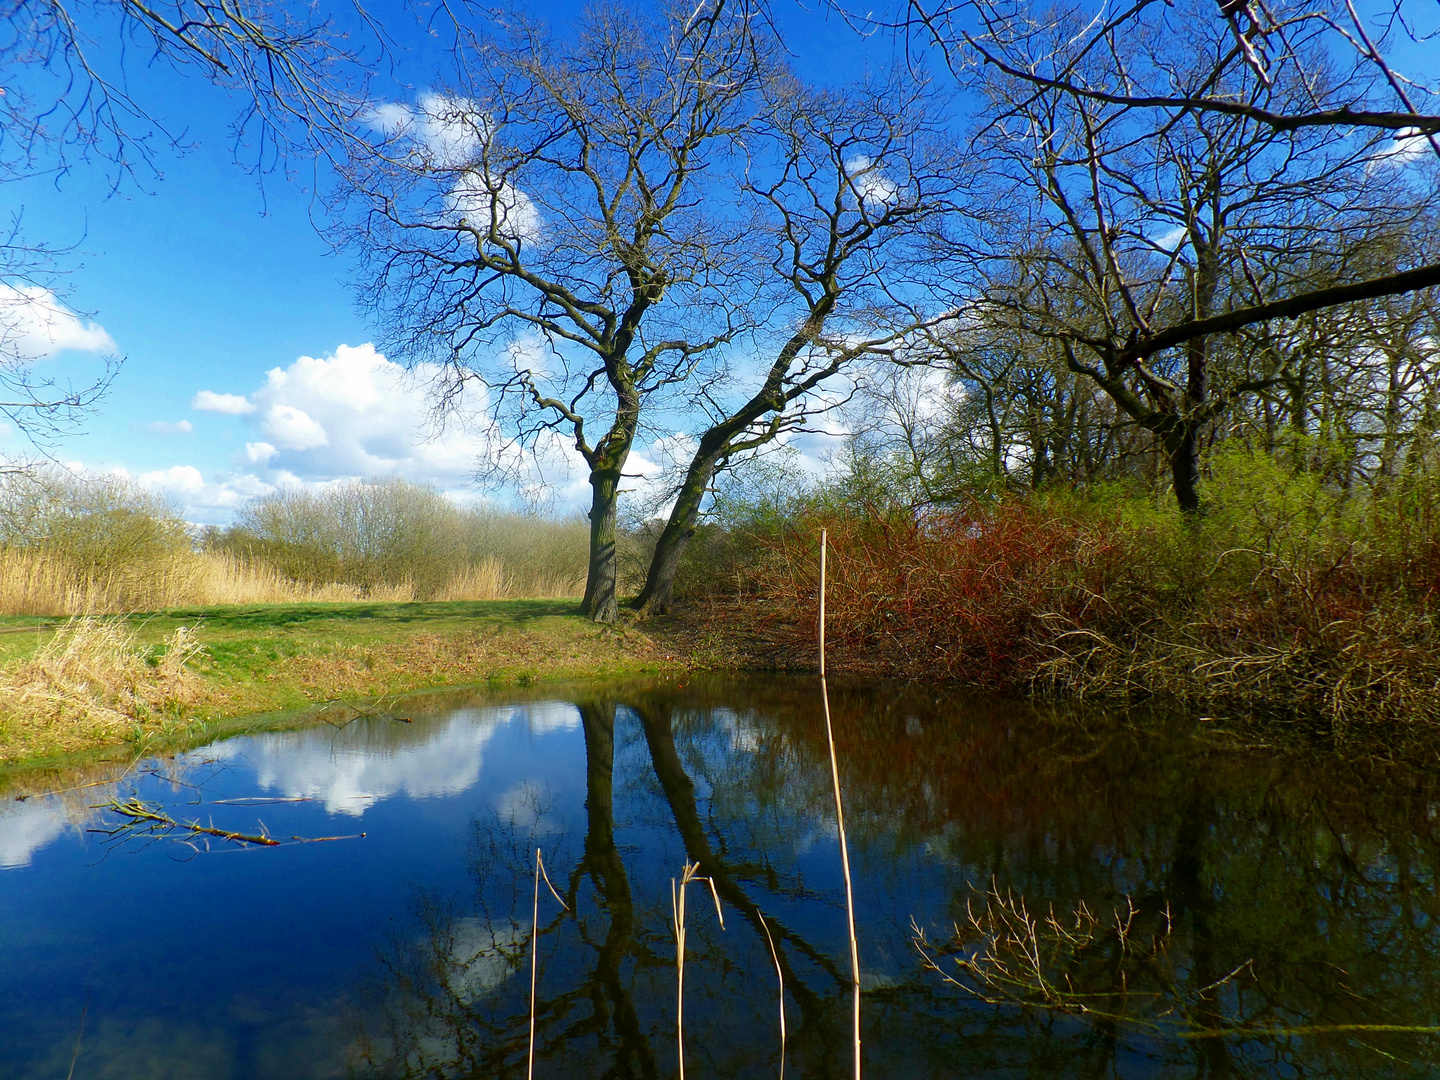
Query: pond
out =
(1038, 892)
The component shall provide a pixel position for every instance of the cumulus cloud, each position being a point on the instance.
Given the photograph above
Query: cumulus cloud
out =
(34, 325)
(439, 759)
(475, 199)
(355, 413)
(200, 498)
(450, 135)
(230, 404)
(875, 190)
(293, 429)
(26, 827)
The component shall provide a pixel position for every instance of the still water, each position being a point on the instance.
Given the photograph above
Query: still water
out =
(1136, 897)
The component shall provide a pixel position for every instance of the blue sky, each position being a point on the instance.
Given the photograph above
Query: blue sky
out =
(206, 278)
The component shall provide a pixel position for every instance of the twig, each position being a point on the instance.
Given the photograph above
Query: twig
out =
(155, 822)
(260, 800)
(78, 1036)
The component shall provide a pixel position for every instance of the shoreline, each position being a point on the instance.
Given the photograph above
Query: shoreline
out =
(284, 665)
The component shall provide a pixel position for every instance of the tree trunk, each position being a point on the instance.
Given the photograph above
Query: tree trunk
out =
(607, 465)
(1183, 447)
(599, 603)
(657, 597)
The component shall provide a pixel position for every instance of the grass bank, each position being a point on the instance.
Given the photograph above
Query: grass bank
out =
(173, 678)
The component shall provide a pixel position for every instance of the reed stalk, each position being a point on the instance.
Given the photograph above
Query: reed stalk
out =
(780, 977)
(688, 875)
(840, 823)
(535, 952)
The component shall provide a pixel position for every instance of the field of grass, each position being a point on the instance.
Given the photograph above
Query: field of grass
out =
(73, 686)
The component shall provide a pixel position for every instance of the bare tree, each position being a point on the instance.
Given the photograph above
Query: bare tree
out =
(847, 183)
(561, 225)
(1147, 240)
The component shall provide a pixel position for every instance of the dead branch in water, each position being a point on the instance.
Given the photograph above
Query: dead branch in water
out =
(375, 713)
(151, 822)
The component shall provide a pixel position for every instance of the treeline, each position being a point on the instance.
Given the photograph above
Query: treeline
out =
(72, 544)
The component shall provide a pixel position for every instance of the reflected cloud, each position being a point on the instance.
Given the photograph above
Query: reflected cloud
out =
(352, 769)
(26, 827)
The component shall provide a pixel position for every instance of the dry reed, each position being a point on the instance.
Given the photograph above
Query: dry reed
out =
(840, 819)
(689, 875)
(93, 678)
(535, 952)
(40, 582)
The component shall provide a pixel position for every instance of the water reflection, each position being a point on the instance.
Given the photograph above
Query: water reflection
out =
(1298, 903)
(1284, 922)
(352, 768)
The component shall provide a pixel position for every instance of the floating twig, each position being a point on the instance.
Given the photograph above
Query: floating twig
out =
(151, 821)
(377, 713)
(260, 800)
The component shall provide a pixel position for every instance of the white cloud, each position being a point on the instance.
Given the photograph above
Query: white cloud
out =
(874, 188)
(34, 325)
(474, 199)
(340, 770)
(170, 427)
(26, 827)
(201, 498)
(355, 413)
(1407, 147)
(449, 131)
(230, 404)
(293, 429)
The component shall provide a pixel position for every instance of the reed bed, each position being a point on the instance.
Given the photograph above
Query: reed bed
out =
(94, 679)
(41, 582)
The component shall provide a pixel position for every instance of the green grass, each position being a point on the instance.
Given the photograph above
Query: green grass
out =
(287, 660)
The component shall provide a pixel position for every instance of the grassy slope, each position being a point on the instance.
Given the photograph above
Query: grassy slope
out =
(298, 656)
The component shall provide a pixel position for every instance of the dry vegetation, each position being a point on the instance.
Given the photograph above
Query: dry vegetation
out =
(73, 545)
(1291, 598)
(365, 589)
(94, 682)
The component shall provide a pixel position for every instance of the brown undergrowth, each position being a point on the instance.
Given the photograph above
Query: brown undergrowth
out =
(1326, 621)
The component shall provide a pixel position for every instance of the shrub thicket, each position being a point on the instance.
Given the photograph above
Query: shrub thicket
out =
(1292, 595)
(372, 534)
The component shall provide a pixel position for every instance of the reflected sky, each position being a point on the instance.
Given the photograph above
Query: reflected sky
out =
(1298, 893)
